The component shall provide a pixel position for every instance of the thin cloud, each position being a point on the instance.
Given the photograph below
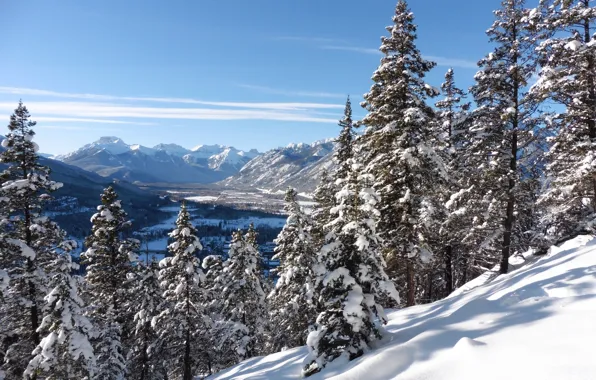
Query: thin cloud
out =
(94, 110)
(270, 90)
(74, 128)
(441, 61)
(84, 120)
(271, 106)
(351, 48)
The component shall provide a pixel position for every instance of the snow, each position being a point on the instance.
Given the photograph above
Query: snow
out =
(202, 198)
(536, 322)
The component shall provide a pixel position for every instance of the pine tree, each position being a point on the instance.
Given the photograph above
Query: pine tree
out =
(568, 78)
(217, 358)
(243, 300)
(29, 241)
(65, 352)
(144, 360)
(506, 123)
(355, 279)
(293, 306)
(108, 258)
(182, 327)
(324, 200)
(453, 121)
(398, 149)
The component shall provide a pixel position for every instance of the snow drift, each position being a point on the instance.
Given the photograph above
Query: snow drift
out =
(537, 322)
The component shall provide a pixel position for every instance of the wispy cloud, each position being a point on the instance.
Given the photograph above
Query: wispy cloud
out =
(441, 61)
(74, 128)
(84, 120)
(351, 48)
(99, 97)
(95, 110)
(334, 44)
(276, 91)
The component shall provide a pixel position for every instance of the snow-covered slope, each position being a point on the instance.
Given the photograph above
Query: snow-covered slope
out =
(297, 165)
(537, 322)
(110, 156)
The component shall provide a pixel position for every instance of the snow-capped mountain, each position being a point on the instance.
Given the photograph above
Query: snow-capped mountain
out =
(111, 157)
(296, 165)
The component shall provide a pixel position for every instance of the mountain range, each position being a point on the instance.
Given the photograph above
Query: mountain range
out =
(296, 165)
(111, 157)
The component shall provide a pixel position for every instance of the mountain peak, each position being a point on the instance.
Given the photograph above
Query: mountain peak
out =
(110, 140)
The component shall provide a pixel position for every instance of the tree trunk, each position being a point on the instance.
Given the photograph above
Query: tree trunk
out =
(411, 299)
(448, 270)
(187, 368)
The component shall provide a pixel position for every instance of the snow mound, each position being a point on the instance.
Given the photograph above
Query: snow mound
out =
(536, 322)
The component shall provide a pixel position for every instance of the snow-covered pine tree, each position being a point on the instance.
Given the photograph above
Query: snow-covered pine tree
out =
(398, 149)
(65, 351)
(506, 123)
(352, 268)
(568, 78)
(217, 358)
(452, 120)
(324, 198)
(243, 300)
(182, 327)
(108, 257)
(29, 241)
(293, 300)
(354, 280)
(144, 360)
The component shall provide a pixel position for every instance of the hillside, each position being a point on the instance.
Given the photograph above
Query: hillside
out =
(297, 165)
(537, 322)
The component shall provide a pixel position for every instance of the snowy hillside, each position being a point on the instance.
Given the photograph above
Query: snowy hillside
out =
(537, 322)
(297, 165)
(111, 157)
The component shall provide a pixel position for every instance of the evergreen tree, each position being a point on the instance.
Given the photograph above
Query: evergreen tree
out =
(324, 198)
(243, 300)
(29, 241)
(65, 352)
(398, 149)
(144, 359)
(182, 326)
(108, 258)
(217, 358)
(568, 78)
(506, 123)
(293, 306)
(453, 120)
(355, 279)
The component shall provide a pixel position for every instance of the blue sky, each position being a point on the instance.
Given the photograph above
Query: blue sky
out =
(251, 74)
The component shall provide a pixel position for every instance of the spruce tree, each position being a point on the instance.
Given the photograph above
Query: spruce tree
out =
(144, 359)
(293, 300)
(324, 198)
(65, 352)
(108, 257)
(452, 120)
(506, 123)
(568, 78)
(243, 300)
(28, 245)
(182, 327)
(217, 358)
(355, 280)
(398, 149)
